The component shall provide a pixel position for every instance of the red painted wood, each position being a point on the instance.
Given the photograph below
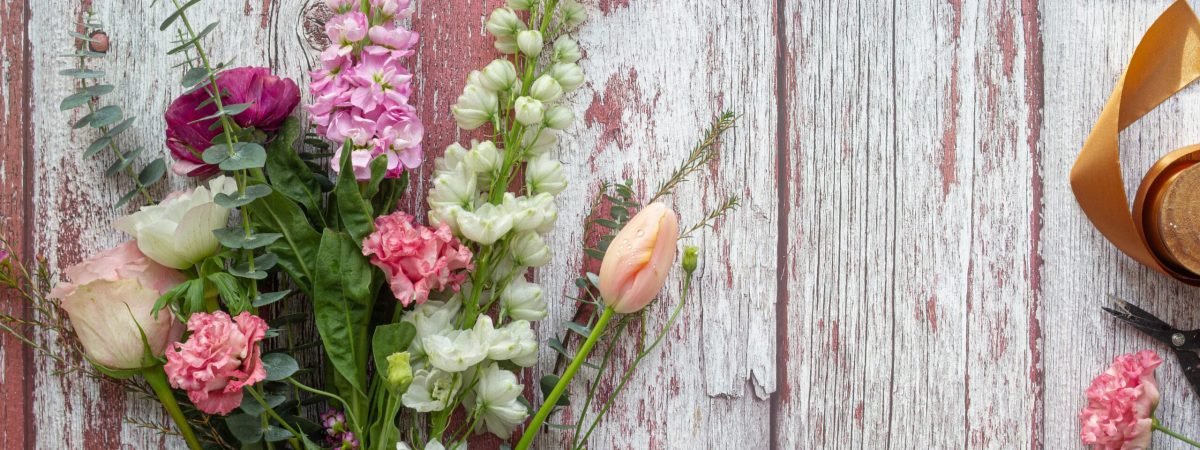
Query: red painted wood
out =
(15, 153)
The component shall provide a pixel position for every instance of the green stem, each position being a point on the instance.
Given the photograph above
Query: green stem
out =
(587, 403)
(1172, 433)
(271, 412)
(552, 399)
(158, 381)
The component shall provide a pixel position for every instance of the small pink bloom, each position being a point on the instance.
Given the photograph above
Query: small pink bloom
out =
(379, 80)
(220, 358)
(416, 259)
(110, 296)
(1121, 403)
(639, 258)
(349, 124)
(392, 9)
(347, 29)
(397, 41)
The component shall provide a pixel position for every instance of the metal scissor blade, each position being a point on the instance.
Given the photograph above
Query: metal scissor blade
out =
(1142, 320)
(1190, 362)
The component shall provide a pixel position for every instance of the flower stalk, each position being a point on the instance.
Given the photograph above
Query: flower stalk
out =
(1172, 433)
(158, 381)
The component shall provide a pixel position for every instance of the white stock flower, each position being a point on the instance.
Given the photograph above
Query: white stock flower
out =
(178, 232)
(474, 107)
(573, 13)
(495, 396)
(529, 111)
(540, 141)
(544, 174)
(522, 5)
(504, 22)
(530, 42)
(506, 269)
(506, 45)
(531, 213)
(498, 75)
(456, 350)
(529, 250)
(546, 89)
(566, 50)
(484, 157)
(559, 117)
(457, 187)
(431, 390)
(430, 319)
(523, 300)
(485, 224)
(435, 444)
(568, 75)
(524, 350)
(455, 153)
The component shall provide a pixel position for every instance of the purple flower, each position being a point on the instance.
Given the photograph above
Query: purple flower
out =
(272, 100)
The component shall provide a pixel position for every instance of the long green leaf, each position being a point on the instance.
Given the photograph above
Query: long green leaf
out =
(287, 172)
(297, 249)
(342, 305)
(352, 207)
(389, 339)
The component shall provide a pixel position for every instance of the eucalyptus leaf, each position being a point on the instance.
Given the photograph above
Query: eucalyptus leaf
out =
(251, 406)
(215, 155)
(238, 200)
(81, 73)
(127, 197)
(106, 116)
(246, 155)
(276, 434)
(279, 366)
(152, 172)
(97, 145)
(260, 240)
(117, 166)
(268, 298)
(547, 383)
(175, 16)
(74, 101)
(231, 237)
(246, 428)
(120, 127)
(194, 76)
(190, 42)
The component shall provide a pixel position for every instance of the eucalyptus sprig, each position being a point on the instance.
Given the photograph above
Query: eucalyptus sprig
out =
(109, 120)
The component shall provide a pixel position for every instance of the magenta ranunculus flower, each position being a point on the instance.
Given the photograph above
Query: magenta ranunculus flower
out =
(272, 100)
(220, 358)
(416, 259)
(1121, 403)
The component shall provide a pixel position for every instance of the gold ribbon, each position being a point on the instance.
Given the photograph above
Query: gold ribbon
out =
(1165, 61)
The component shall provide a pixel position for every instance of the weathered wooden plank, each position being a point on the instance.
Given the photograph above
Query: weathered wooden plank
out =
(15, 127)
(657, 73)
(1087, 46)
(912, 218)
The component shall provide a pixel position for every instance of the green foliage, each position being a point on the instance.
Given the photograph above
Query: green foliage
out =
(287, 172)
(279, 366)
(356, 213)
(389, 339)
(343, 294)
(298, 243)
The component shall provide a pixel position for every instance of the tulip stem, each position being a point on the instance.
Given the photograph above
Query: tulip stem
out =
(552, 399)
(1174, 434)
(158, 381)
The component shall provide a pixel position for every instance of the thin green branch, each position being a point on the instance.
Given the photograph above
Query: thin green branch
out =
(704, 152)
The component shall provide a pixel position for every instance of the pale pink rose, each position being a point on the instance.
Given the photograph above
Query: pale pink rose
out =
(1121, 402)
(416, 259)
(639, 258)
(109, 296)
(220, 358)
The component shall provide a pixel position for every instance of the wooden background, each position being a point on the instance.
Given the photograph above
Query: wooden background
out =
(910, 269)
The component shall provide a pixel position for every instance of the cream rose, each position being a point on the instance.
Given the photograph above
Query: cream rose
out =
(178, 232)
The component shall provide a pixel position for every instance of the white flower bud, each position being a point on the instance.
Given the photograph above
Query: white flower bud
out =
(559, 117)
(523, 300)
(506, 45)
(529, 250)
(530, 42)
(529, 111)
(540, 141)
(473, 77)
(499, 75)
(566, 50)
(522, 5)
(446, 214)
(573, 13)
(474, 107)
(504, 22)
(544, 203)
(544, 174)
(455, 351)
(568, 75)
(452, 190)
(485, 225)
(531, 213)
(483, 158)
(455, 154)
(546, 89)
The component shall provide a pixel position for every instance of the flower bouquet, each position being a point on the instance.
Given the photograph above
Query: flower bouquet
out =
(425, 324)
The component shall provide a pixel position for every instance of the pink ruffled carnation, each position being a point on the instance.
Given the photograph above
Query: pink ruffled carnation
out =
(1121, 403)
(416, 259)
(361, 93)
(220, 358)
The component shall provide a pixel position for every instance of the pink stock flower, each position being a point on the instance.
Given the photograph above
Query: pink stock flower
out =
(345, 30)
(1121, 403)
(397, 41)
(220, 358)
(379, 80)
(392, 9)
(272, 100)
(109, 298)
(416, 259)
(636, 265)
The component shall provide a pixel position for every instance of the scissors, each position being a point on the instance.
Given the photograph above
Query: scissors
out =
(1184, 343)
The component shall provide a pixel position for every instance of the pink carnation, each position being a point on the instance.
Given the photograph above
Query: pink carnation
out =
(220, 358)
(416, 259)
(1121, 403)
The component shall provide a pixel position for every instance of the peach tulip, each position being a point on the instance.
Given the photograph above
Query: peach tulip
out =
(639, 258)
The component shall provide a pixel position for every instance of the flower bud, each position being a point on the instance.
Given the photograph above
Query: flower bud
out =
(499, 75)
(485, 225)
(506, 45)
(523, 300)
(529, 250)
(559, 117)
(399, 371)
(536, 213)
(475, 107)
(544, 174)
(522, 5)
(546, 89)
(483, 158)
(529, 111)
(456, 187)
(573, 13)
(636, 265)
(504, 22)
(568, 75)
(691, 255)
(530, 42)
(455, 154)
(566, 50)
(540, 142)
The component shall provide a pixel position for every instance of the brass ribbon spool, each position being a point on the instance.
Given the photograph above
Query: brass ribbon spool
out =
(1163, 229)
